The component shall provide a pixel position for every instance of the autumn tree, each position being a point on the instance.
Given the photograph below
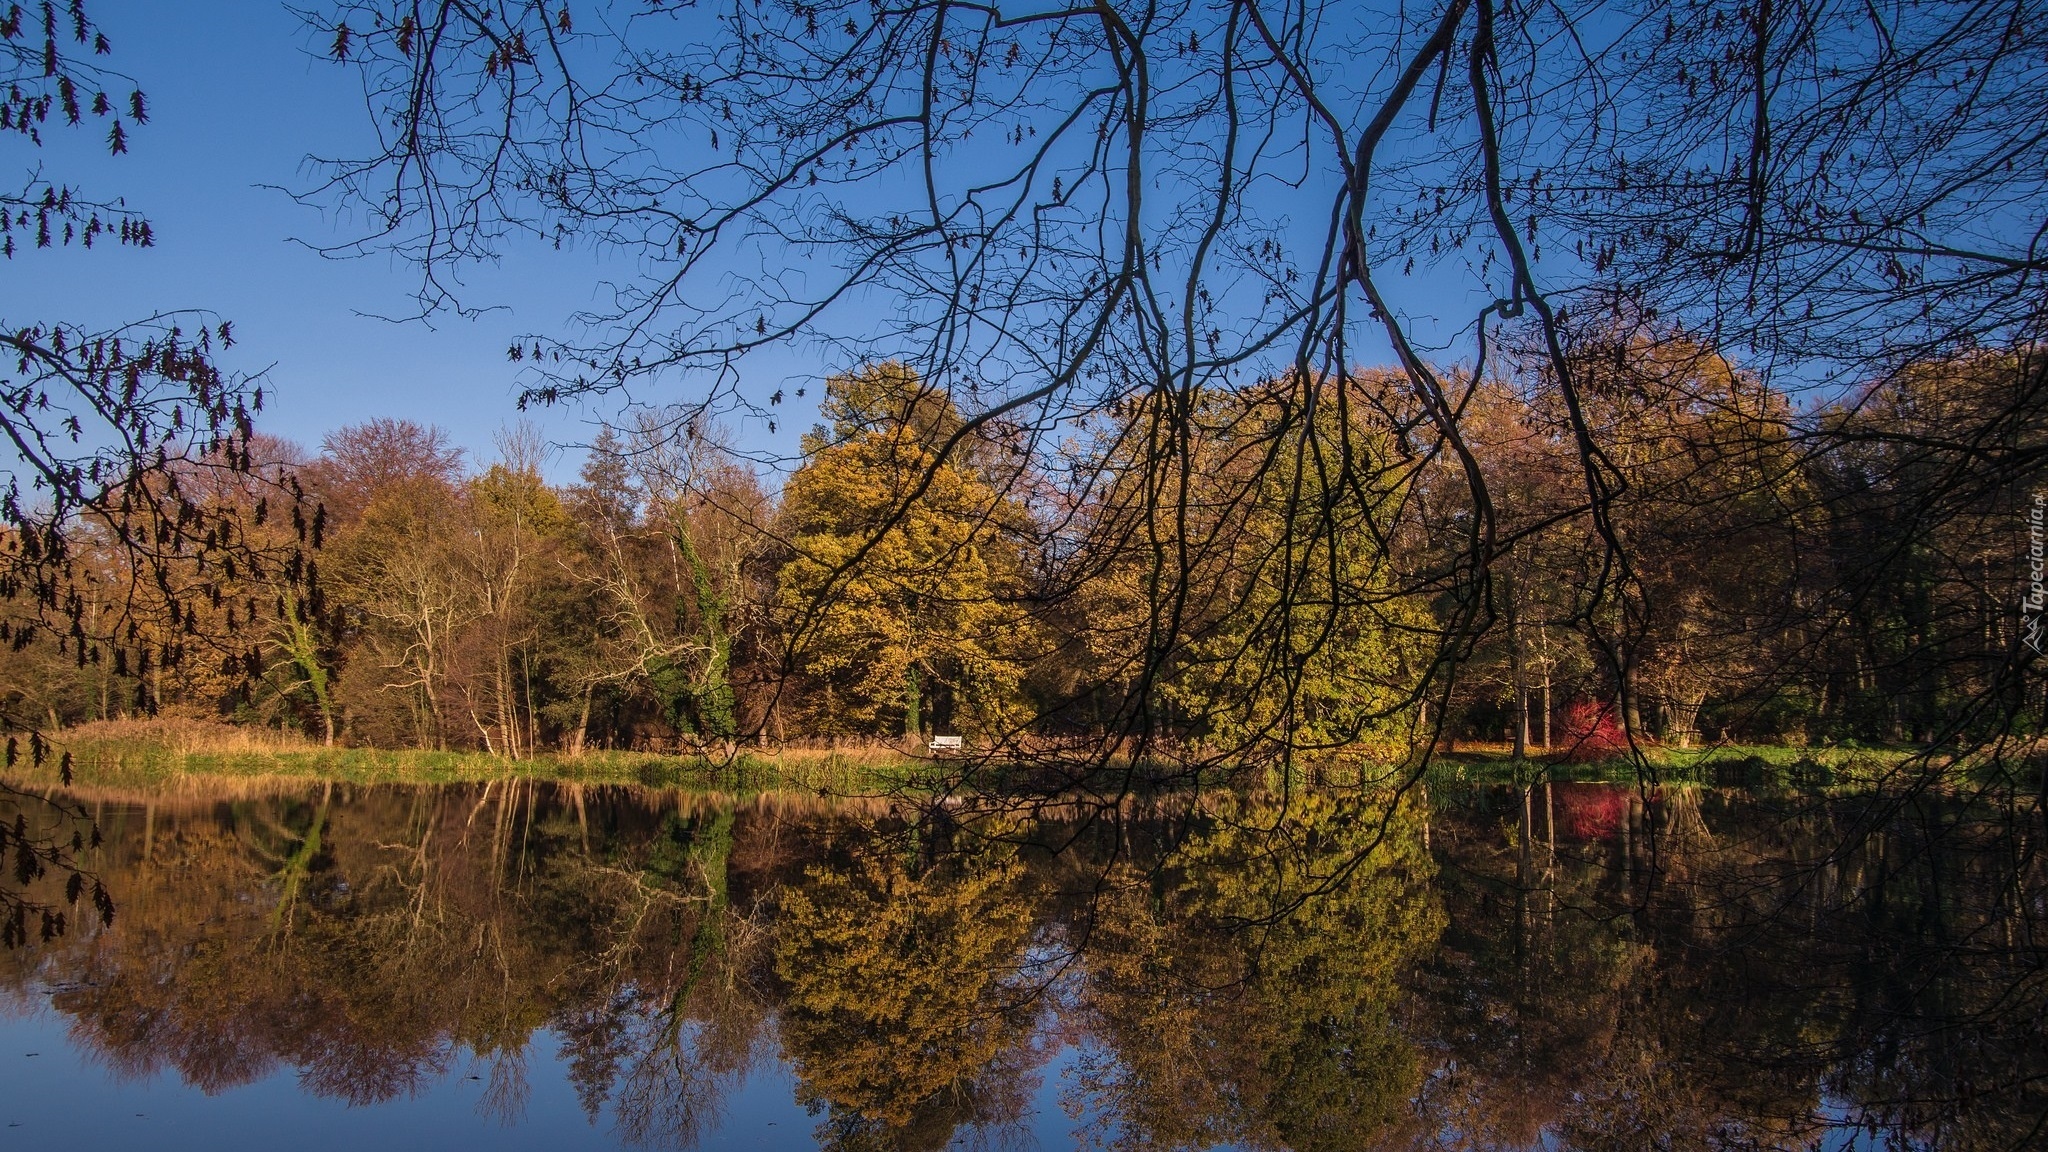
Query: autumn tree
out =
(712, 518)
(394, 562)
(1535, 659)
(902, 614)
(359, 461)
(1125, 208)
(1714, 496)
(1926, 498)
(1314, 644)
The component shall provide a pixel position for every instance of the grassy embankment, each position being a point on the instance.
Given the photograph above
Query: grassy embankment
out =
(140, 754)
(1848, 766)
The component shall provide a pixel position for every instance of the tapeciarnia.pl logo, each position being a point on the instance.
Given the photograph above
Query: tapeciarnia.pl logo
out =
(2036, 601)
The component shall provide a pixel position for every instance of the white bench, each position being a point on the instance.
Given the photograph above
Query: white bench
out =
(945, 744)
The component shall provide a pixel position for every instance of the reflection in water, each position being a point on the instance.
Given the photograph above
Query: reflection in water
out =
(1247, 991)
(1576, 965)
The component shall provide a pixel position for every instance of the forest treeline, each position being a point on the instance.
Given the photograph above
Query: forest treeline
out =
(1205, 571)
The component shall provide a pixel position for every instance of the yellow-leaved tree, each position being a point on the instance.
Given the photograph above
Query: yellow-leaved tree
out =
(904, 598)
(1265, 587)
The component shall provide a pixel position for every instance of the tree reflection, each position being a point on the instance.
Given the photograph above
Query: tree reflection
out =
(1246, 989)
(1559, 966)
(1755, 984)
(908, 1008)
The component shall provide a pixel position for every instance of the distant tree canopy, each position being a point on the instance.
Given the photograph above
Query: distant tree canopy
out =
(675, 599)
(1101, 458)
(1685, 227)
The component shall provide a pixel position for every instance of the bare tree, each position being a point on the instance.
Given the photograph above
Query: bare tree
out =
(120, 435)
(1099, 216)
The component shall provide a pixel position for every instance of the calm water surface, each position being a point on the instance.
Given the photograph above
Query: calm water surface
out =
(548, 966)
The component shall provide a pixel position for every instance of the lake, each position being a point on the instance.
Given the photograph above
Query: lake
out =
(541, 965)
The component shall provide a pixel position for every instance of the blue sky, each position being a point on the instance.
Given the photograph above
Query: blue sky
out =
(241, 94)
(238, 101)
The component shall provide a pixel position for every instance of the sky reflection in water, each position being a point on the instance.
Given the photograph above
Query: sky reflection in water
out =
(551, 966)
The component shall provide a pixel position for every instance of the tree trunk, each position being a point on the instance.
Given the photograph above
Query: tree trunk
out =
(1683, 720)
(532, 713)
(435, 730)
(1519, 669)
(913, 700)
(582, 816)
(582, 732)
(1549, 818)
(508, 708)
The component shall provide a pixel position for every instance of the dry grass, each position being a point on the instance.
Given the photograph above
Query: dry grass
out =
(156, 752)
(203, 737)
(183, 736)
(153, 753)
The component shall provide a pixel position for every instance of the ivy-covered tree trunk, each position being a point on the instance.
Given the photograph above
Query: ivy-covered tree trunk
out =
(300, 642)
(711, 697)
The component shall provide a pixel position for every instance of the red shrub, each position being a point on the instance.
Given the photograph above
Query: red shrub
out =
(1592, 732)
(1586, 812)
